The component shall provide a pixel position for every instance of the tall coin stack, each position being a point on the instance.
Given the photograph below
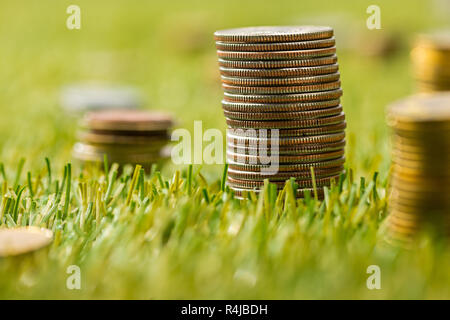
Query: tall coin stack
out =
(124, 136)
(420, 180)
(281, 82)
(431, 62)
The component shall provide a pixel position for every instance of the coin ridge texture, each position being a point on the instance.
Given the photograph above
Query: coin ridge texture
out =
(275, 46)
(274, 34)
(276, 64)
(282, 107)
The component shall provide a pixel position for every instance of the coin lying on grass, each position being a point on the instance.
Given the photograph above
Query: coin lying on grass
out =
(22, 240)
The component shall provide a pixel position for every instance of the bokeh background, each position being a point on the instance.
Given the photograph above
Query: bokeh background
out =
(166, 50)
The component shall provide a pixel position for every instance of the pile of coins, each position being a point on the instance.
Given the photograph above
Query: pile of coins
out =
(431, 62)
(124, 136)
(282, 105)
(420, 180)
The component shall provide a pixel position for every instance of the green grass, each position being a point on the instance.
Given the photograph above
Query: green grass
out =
(179, 233)
(141, 236)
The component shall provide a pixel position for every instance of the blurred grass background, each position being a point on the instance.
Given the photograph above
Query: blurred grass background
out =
(166, 49)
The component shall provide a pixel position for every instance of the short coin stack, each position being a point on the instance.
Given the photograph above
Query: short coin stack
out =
(431, 62)
(94, 97)
(124, 136)
(420, 180)
(281, 82)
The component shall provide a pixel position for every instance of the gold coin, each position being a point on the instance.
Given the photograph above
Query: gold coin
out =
(22, 240)
(420, 110)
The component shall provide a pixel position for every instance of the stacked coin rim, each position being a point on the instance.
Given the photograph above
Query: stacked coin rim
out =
(284, 78)
(124, 136)
(420, 173)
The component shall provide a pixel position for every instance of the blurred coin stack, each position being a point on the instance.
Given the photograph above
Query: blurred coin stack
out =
(420, 180)
(431, 62)
(283, 78)
(124, 136)
(79, 98)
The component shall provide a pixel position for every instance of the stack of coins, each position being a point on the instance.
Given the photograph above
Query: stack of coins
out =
(282, 104)
(124, 136)
(420, 181)
(91, 97)
(431, 62)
